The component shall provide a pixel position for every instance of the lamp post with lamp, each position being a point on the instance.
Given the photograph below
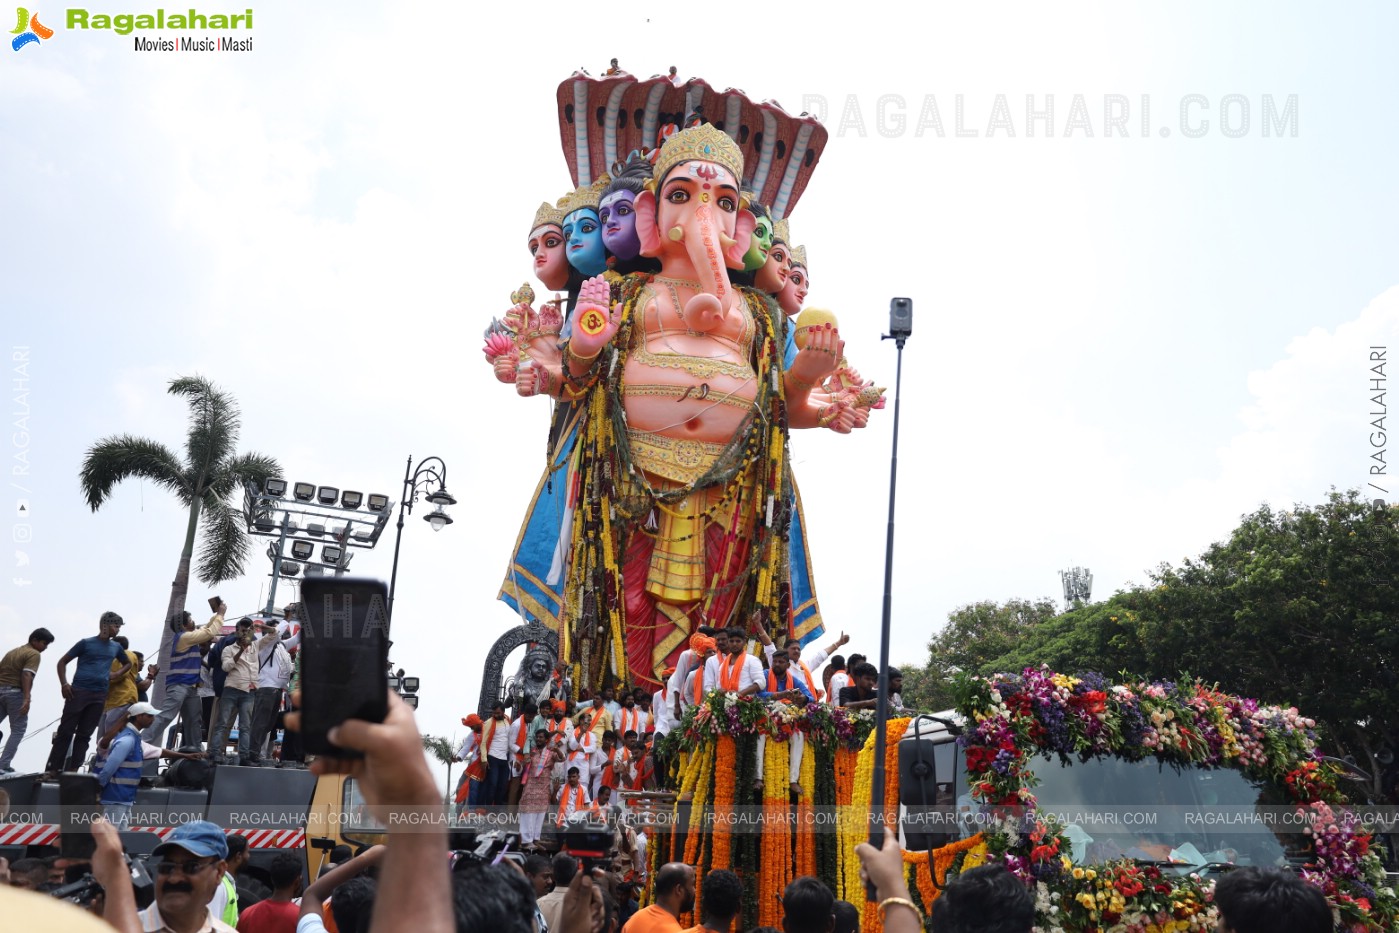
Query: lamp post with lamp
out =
(430, 472)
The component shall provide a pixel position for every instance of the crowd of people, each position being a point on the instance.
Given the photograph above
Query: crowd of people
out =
(552, 756)
(554, 759)
(213, 679)
(413, 883)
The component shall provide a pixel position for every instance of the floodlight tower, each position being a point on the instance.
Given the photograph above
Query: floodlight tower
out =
(312, 516)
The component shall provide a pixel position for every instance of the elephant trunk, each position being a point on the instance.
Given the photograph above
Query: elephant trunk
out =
(703, 238)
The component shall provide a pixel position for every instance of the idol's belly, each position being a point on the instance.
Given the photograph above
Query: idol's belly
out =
(688, 398)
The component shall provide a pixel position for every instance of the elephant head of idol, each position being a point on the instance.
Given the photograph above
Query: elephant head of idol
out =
(693, 220)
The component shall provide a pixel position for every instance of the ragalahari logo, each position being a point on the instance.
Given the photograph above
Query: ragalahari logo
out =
(28, 29)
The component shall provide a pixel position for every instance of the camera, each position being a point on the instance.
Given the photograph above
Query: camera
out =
(900, 318)
(81, 892)
(489, 849)
(592, 843)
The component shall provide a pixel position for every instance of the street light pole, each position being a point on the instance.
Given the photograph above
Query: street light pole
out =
(412, 480)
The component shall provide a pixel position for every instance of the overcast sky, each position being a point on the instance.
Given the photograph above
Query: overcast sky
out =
(1121, 344)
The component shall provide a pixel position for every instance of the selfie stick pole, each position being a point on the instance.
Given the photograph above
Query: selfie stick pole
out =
(881, 716)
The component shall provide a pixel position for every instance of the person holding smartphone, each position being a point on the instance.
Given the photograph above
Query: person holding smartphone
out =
(240, 662)
(182, 675)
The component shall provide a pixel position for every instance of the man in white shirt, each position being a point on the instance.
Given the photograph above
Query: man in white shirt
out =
(737, 671)
(839, 680)
(660, 707)
(239, 661)
(495, 751)
(702, 644)
(581, 745)
(466, 752)
(573, 797)
(629, 717)
(274, 672)
(521, 742)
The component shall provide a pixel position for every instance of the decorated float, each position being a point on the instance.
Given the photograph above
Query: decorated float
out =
(1040, 780)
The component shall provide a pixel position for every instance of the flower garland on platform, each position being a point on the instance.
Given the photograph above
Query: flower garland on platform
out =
(805, 830)
(725, 764)
(775, 858)
(927, 872)
(1040, 712)
(862, 809)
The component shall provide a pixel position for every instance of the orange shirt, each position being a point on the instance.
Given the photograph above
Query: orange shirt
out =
(653, 919)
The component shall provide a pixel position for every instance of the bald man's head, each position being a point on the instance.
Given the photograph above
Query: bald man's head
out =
(675, 888)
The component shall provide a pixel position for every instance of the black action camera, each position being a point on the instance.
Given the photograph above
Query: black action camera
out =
(900, 318)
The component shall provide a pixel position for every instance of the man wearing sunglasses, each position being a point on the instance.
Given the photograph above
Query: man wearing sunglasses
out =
(188, 867)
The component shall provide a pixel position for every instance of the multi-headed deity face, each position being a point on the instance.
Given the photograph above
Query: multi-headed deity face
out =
(757, 254)
(794, 290)
(773, 275)
(546, 245)
(618, 216)
(582, 231)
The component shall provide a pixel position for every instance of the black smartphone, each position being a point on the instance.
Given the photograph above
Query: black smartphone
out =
(214, 603)
(79, 797)
(900, 318)
(345, 657)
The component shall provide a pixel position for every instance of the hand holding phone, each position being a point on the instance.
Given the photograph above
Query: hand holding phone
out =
(345, 645)
(215, 602)
(78, 801)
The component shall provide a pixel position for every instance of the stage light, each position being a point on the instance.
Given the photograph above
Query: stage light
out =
(377, 502)
(351, 500)
(304, 491)
(314, 570)
(393, 684)
(315, 529)
(409, 684)
(264, 522)
(290, 568)
(327, 495)
(438, 520)
(302, 550)
(331, 553)
(271, 552)
(275, 487)
(412, 700)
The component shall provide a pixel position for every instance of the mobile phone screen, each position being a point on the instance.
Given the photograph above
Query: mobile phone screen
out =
(344, 660)
(214, 603)
(78, 796)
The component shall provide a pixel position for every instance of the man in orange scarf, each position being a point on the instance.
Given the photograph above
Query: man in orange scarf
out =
(573, 798)
(495, 755)
(802, 666)
(469, 787)
(737, 671)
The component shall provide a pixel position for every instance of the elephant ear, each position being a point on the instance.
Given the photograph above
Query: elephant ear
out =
(743, 237)
(646, 230)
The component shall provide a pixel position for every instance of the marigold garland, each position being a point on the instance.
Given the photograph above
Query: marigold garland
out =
(805, 828)
(775, 858)
(725, 771)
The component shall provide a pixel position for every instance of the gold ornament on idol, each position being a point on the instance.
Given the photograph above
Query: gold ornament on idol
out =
(782, 231)
(703, 143)
(799, 256)
(545, 216)
(582, 197)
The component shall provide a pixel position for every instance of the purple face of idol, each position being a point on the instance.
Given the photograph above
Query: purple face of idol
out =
(618, 215)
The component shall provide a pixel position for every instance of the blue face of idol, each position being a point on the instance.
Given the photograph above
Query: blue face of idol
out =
(583, 232)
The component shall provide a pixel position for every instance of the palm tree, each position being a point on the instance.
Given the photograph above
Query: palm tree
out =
(445, 751)
(207, 480)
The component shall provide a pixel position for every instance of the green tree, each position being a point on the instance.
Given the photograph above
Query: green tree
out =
(974, 635)
(207, 480)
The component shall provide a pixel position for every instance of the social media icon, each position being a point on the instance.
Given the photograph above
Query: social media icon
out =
(21, 558)
(21, 581)
(21, 534)
(22, 508)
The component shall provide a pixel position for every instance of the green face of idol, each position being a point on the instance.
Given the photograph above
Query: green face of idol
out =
(757, 254)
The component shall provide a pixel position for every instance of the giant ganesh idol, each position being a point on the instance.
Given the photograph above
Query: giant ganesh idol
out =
(679, 505)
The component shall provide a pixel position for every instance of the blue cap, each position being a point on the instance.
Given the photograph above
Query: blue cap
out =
(200, 838)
